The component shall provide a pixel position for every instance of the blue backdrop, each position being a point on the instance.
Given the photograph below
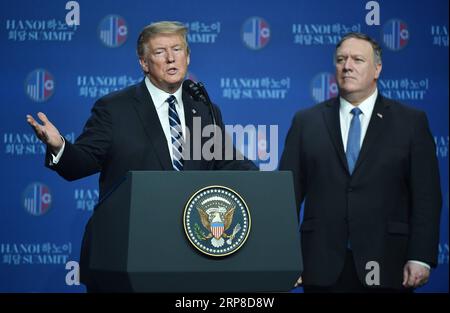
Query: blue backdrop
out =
(261, 61)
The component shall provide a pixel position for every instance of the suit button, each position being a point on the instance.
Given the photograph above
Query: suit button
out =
(349, 189)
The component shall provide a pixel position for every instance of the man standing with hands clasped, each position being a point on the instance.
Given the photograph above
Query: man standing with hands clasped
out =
(366, 168)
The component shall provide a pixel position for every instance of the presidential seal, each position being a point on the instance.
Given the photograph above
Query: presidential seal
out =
(216, 221)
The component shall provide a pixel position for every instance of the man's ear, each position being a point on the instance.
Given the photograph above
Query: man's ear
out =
(143, 64)
(378, 70)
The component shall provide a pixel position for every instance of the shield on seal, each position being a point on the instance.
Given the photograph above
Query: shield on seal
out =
(217, 229)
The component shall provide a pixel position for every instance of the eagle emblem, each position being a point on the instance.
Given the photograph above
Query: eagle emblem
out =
(217, 220)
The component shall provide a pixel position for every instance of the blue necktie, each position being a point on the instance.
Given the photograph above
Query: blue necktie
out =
(176, 133)
(354, 139)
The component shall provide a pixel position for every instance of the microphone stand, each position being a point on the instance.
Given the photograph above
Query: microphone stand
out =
(198, 93)
(206, 100)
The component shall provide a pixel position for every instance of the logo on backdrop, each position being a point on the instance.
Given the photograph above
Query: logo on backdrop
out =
(236, 88)
(113, 31)
(37, 199)
(86, 199)
(404, 88)
(200, 32)
(216, 221)
(39, 30)
(324, 87)
(321, 34)
(95, 86)
(439, 35)
(40, 85)
(255, 33)
(24, 253)
(395, 34)
(441, 146)
(19, 144)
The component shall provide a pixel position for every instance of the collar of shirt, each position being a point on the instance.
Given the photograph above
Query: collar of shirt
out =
(345, 116)
(159, 96)
(366, 106)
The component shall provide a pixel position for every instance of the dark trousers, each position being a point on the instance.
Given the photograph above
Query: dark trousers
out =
(349, 282)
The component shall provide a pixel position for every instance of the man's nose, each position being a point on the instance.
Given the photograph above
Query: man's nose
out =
(348, 65)
(170, 57)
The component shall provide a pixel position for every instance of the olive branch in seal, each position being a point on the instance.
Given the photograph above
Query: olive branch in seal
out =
(199, 233)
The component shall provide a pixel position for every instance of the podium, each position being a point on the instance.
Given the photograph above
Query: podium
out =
(136, 241)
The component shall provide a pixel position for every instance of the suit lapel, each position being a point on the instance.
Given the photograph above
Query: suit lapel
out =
(376, 123)
(150, 120)
(331, 116)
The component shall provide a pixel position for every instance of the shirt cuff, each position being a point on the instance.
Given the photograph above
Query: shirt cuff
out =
(55, 158)
(420, 263)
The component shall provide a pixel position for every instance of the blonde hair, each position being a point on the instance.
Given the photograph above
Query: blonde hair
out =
(157, 28)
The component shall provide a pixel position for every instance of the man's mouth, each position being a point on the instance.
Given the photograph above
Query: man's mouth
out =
(172, 70)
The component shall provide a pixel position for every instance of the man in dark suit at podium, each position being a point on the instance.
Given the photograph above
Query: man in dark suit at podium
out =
(142, 127)
(366, 167)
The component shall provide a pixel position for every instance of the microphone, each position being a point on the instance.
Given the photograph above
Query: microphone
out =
(193, 90)
(198, 92)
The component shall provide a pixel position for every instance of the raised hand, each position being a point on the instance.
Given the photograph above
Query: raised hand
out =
(46, 132)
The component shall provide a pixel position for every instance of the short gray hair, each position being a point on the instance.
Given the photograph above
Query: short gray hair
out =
(375, 46)
(163, 27)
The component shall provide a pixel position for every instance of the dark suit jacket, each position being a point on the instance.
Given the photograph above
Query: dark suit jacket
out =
(388, 209)
(124, 133)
